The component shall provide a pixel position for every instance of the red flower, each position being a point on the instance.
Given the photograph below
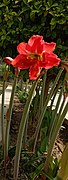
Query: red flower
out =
(8, 60)
(35, 54)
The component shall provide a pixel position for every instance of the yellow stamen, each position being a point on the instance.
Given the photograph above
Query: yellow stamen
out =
(34, 56)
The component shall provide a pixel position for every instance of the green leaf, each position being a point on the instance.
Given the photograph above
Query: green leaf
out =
(59, 46)
(4, 31)
(16, 2)
(63, 168)
(55, 4)
(50, 3)
(24, 9)
(32, 14)
(22, 129)
(66, 17)
(11, 151)
(48, 176)
(61, 21)
(58, 41)
(6, 2)
(47, 7)
(29, 1)
(8, 38)
(37, 172)
(25, 2)
(52, 13)
(53, 21)
(13, 13)
(20, 24)
(53, 27)
(54, 34)
(43, 145)
(1, 5)
(3, 38)
(66, 53)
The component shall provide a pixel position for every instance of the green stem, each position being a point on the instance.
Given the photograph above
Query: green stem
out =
(2, 106)
(52, 120)
(42, 99)
(43, 91)
(45, 107)
(21, 130)
(54, 135)
(2, 113)
(55, 92)
(8, 118)
(54, 116)
(25, 133)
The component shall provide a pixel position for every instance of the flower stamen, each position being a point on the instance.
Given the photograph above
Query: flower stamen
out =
(34, 56)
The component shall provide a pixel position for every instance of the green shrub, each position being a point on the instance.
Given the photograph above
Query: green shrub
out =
(21, 19)
(22, 95)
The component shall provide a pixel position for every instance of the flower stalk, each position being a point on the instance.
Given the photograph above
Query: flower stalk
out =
(56, 129)
(22, 129)
(54, 118)
(8, 118)
(43, 92)
(45, 107)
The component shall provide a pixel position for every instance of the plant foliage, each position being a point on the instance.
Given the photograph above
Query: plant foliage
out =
(21, 19)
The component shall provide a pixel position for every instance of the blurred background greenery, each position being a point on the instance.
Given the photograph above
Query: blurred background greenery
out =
(20, 19)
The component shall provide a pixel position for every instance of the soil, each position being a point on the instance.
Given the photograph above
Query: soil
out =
(61, 141)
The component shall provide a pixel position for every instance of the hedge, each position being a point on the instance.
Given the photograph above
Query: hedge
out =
(19, 19)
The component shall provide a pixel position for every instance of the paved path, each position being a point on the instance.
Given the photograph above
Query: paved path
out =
(7, 98)
(6, 104)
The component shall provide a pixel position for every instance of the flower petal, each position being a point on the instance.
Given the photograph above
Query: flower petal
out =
(37, 47)
(49, 47)
(33, 38)
(36, 44)
(49, 60)
(22, 48)
(8, 60)
(22, 62)
(34, 71)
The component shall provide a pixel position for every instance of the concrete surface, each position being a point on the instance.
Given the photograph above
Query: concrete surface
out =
(6, 104)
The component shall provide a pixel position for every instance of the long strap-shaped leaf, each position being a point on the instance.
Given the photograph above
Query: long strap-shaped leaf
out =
(8, 118)
(54, 116)
(2, 113)
(45, 107)
(54, 95)
(21, 130)
(63, 167)
(54, 134)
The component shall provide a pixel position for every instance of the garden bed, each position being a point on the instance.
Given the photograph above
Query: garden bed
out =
(62, 138)
(61, 141)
